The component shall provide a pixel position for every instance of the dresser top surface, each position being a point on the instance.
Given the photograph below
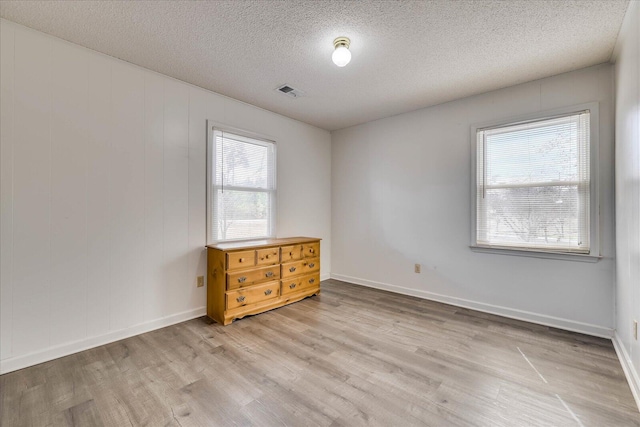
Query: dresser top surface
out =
(261, 243)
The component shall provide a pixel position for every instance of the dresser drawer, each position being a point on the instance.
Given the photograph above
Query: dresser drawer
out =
(304, 266)
(244, 259)
(268, 256)
(298, 284)
(290, 253)
(311, 250)
(252, 295)
(240, 279)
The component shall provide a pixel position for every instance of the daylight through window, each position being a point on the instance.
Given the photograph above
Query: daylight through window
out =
(242, 190)
(533, 185)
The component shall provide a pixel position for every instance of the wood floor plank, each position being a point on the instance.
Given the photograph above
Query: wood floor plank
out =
(351, 356)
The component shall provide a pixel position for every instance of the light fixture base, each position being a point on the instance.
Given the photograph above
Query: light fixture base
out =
(341, 41)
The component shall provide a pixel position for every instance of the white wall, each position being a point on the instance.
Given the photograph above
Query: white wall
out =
(627, 91)
(401, 194)
(103, 194)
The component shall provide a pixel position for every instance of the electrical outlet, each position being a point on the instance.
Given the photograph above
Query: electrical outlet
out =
(635, 330)
(200, 281)
(417, 268)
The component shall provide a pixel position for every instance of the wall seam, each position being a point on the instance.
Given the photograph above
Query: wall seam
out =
(13, 184)
(164, 198)
(86, 203)
(144, 192)
(50, 46)
(189, 271)
(109, 198)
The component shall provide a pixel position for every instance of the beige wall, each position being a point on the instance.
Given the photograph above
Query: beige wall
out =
(401, 194)
(103, 174)
(627, 91)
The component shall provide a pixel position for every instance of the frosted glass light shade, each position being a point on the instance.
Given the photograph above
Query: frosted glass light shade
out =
(341, 56)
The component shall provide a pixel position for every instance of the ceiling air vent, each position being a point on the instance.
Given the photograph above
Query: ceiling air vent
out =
(290, 91)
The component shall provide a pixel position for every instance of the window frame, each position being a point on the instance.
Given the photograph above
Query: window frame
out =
(594, 208)
(211, 186)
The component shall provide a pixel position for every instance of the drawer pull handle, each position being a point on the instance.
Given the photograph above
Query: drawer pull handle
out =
(292, 269)
(312, 280)
(241, 279)
(241, 259)
(311, 251)
(291, 286)
(312, 265)
(269, 273)
(290, 253)
(240, 298)
(268, 292)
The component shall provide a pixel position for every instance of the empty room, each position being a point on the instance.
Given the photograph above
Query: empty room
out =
(320, 213)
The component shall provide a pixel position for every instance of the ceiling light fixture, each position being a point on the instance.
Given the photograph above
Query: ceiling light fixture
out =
(341, 56)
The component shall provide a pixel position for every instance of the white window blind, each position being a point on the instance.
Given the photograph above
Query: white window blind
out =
(533, 185)
(242, 193)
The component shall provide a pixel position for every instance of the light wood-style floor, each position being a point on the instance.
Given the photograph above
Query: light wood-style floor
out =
(350, 356)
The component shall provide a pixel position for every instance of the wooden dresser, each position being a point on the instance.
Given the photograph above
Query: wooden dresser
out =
(253, 276)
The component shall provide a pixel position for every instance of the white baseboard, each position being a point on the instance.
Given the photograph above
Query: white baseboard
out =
(527, 316)
(628, 368)
(23, 361)
(19, 362)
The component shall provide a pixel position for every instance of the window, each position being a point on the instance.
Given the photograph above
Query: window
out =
(533, 185)
(241, 187)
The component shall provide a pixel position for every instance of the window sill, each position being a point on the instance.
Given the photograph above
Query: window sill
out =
(537, 254)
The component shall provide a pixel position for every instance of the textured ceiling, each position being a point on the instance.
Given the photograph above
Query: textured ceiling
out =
(406, 55)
